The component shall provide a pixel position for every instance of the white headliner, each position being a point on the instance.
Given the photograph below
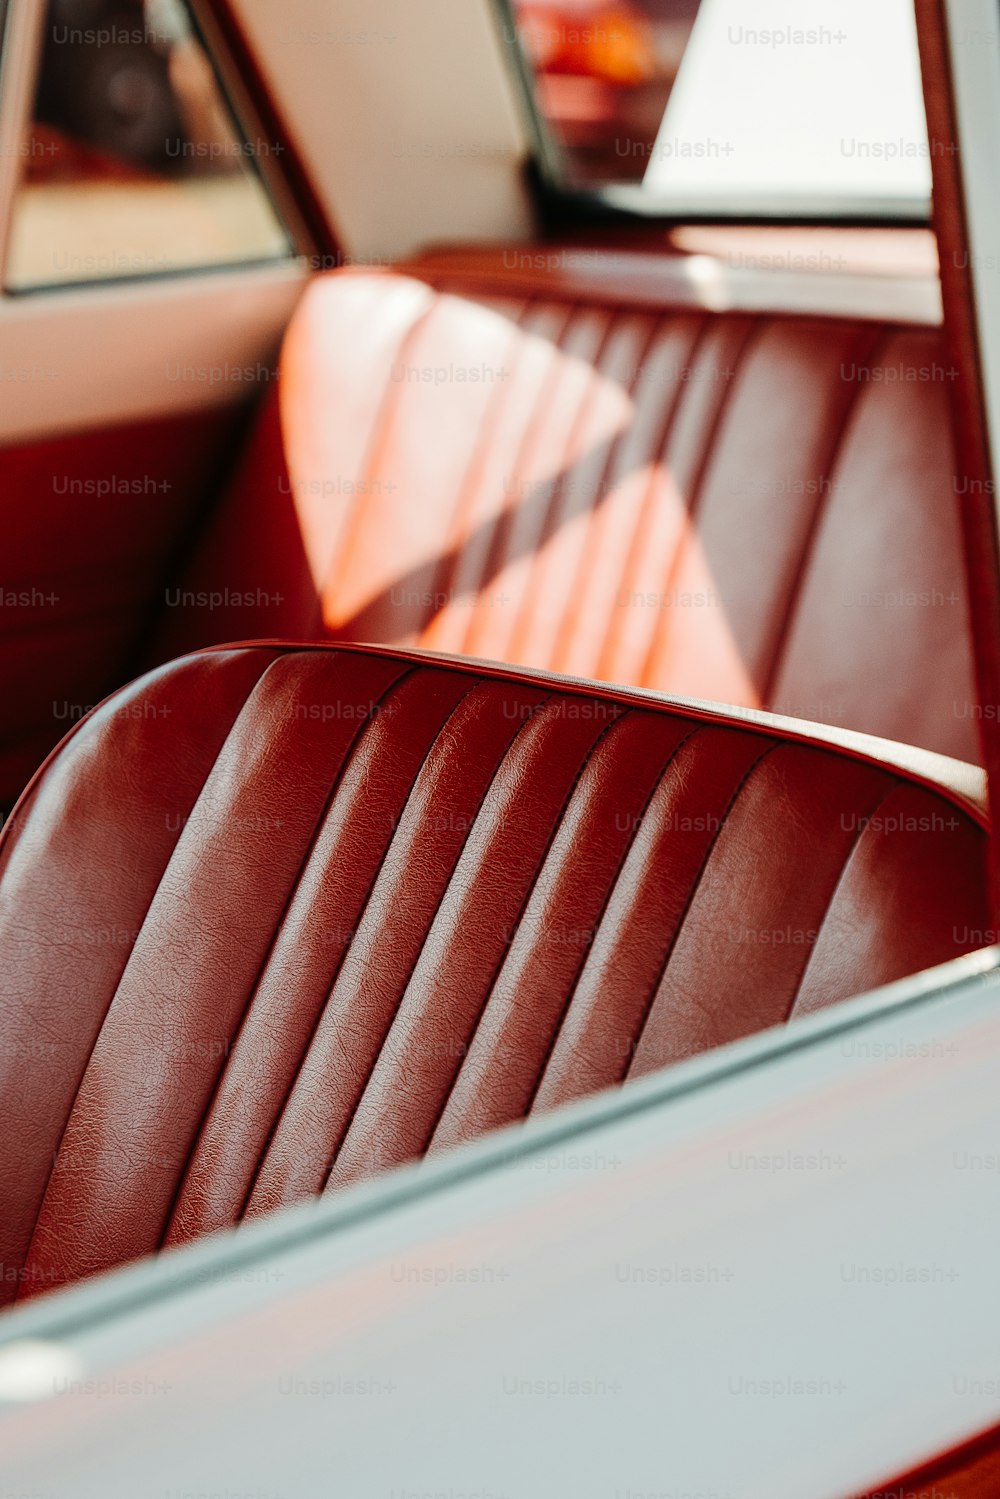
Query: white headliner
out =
(405, 115)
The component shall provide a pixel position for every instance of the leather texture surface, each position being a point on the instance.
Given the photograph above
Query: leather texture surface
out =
(274, 919)
(971, 1472)
(92, 525)
(759, 510)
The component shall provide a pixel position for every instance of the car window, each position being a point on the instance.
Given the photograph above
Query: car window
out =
(768, 108)
(133, 164)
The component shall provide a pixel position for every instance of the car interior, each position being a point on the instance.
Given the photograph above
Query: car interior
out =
(472, 635)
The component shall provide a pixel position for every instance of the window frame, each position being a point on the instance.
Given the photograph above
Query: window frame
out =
(566, 207)
(21, 47)
(221, 315)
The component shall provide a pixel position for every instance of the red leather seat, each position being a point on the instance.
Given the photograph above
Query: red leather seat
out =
(274, 918)
(755, 510)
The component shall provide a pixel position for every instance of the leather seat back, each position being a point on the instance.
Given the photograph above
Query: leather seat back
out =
(755, 510)
(274, 919)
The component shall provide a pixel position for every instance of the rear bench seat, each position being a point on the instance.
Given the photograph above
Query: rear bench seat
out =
(582, 476)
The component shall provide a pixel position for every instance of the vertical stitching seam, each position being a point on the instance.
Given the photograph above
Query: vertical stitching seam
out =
(609, 894)
(338, 1147)
(689, 901)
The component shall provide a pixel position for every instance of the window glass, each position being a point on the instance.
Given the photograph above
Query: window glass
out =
(767, 107)
(133, 165)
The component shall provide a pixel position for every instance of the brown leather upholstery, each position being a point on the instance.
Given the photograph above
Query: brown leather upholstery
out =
(273, 919)
(91, 526)
(755, 510)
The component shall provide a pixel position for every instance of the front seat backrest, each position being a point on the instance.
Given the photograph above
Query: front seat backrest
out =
(274, 919)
